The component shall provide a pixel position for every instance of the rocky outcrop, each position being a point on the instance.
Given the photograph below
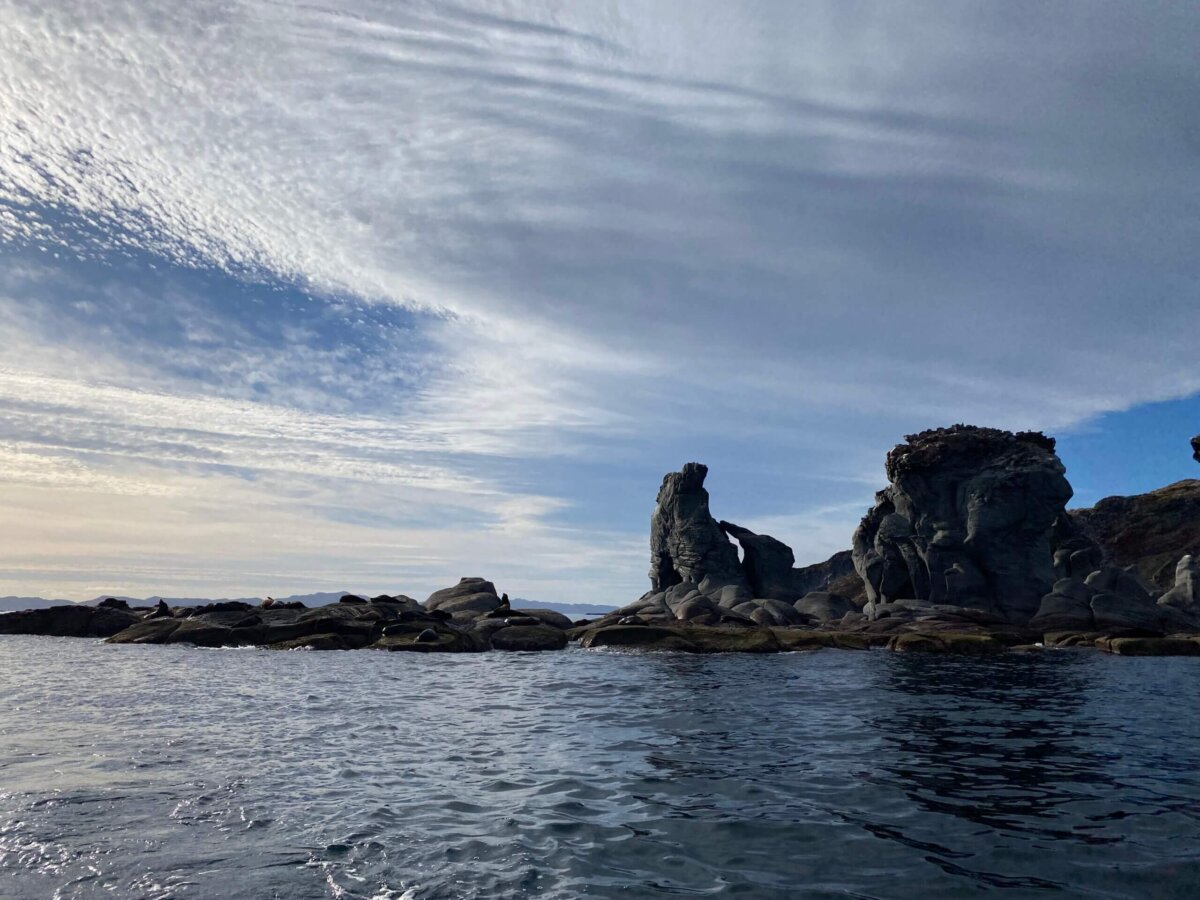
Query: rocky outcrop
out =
(697, 578)
(469, 598)
(1108, 598)
(1184, 595)
(466, 618)
(1196, 448)
(69, 621)
(767, 563)
(836, 575)
(966, 522)
(686, 543)
(969, 550)
(1150, 532)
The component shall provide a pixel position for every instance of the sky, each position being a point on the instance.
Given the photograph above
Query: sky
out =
(374, 295)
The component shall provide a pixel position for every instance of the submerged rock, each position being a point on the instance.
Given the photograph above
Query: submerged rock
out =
(529, 637)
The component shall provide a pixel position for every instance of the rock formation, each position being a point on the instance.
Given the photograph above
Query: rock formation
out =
(697, 578)
(1147, 531)
(968, 550)
(69, 621)
(836, 575)
(469, 598)
(966, 522)
(686, 543)
(1196, 448)
(1184, 595)
(766, 563)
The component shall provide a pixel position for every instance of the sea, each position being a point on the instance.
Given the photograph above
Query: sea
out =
(178, 772)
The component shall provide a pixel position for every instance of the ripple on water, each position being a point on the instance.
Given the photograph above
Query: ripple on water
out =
(176, 772)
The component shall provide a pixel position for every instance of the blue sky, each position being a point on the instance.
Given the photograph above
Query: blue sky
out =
(375, 295)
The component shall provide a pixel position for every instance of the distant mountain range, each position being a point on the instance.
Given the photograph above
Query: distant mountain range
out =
(13, 604)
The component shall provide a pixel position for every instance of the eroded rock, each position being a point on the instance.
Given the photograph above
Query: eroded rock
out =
(966, 521)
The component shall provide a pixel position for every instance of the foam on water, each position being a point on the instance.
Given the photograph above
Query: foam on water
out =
(174, 772)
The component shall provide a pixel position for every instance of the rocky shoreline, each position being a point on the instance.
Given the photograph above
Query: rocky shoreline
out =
(970, 549)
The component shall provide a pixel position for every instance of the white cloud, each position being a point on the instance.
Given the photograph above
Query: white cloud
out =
(770, 233)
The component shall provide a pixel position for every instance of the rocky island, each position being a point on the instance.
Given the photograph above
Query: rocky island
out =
(969, 549)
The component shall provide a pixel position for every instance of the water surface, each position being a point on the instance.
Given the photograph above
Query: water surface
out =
(163, 772)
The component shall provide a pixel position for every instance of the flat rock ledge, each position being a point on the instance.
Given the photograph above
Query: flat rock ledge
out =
(400, 624)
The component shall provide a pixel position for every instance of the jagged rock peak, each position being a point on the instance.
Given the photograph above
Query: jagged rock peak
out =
(1196, 448)
(686, 543)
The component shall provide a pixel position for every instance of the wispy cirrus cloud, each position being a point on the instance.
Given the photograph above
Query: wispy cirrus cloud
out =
(482, 246)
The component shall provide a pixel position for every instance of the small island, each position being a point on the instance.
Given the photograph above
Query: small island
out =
(969, 549)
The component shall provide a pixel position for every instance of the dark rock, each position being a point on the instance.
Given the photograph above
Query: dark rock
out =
(547, 617)
(445, 638)
(219, 607)
(532, 637)
(351, 598)
(689, 639)
(1196, 448)
(947, 642)
(836, 575)
(69, 620)
(1184, 594)
(112, 603)
(318, 642)
(966, 521)
(1147, 531)
(686, 543)
(338, 619)
(153, 630)
(642, 636)
(1150, 646)
(766, 562)
(400, 601)
(469, 598)
(824, 607)
(202, 633)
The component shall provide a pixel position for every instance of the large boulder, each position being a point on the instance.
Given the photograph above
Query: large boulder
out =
(686, 543)
(966, 521)
(823, 606)
(470, 598)
(529, 637)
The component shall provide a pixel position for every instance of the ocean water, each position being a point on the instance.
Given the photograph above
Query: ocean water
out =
(163, 772)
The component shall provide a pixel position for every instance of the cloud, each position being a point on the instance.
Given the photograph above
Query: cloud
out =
(498, 239)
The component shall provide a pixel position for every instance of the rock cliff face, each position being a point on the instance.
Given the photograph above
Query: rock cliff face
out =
(1147, 531)
(967, 521)
(686, 543)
